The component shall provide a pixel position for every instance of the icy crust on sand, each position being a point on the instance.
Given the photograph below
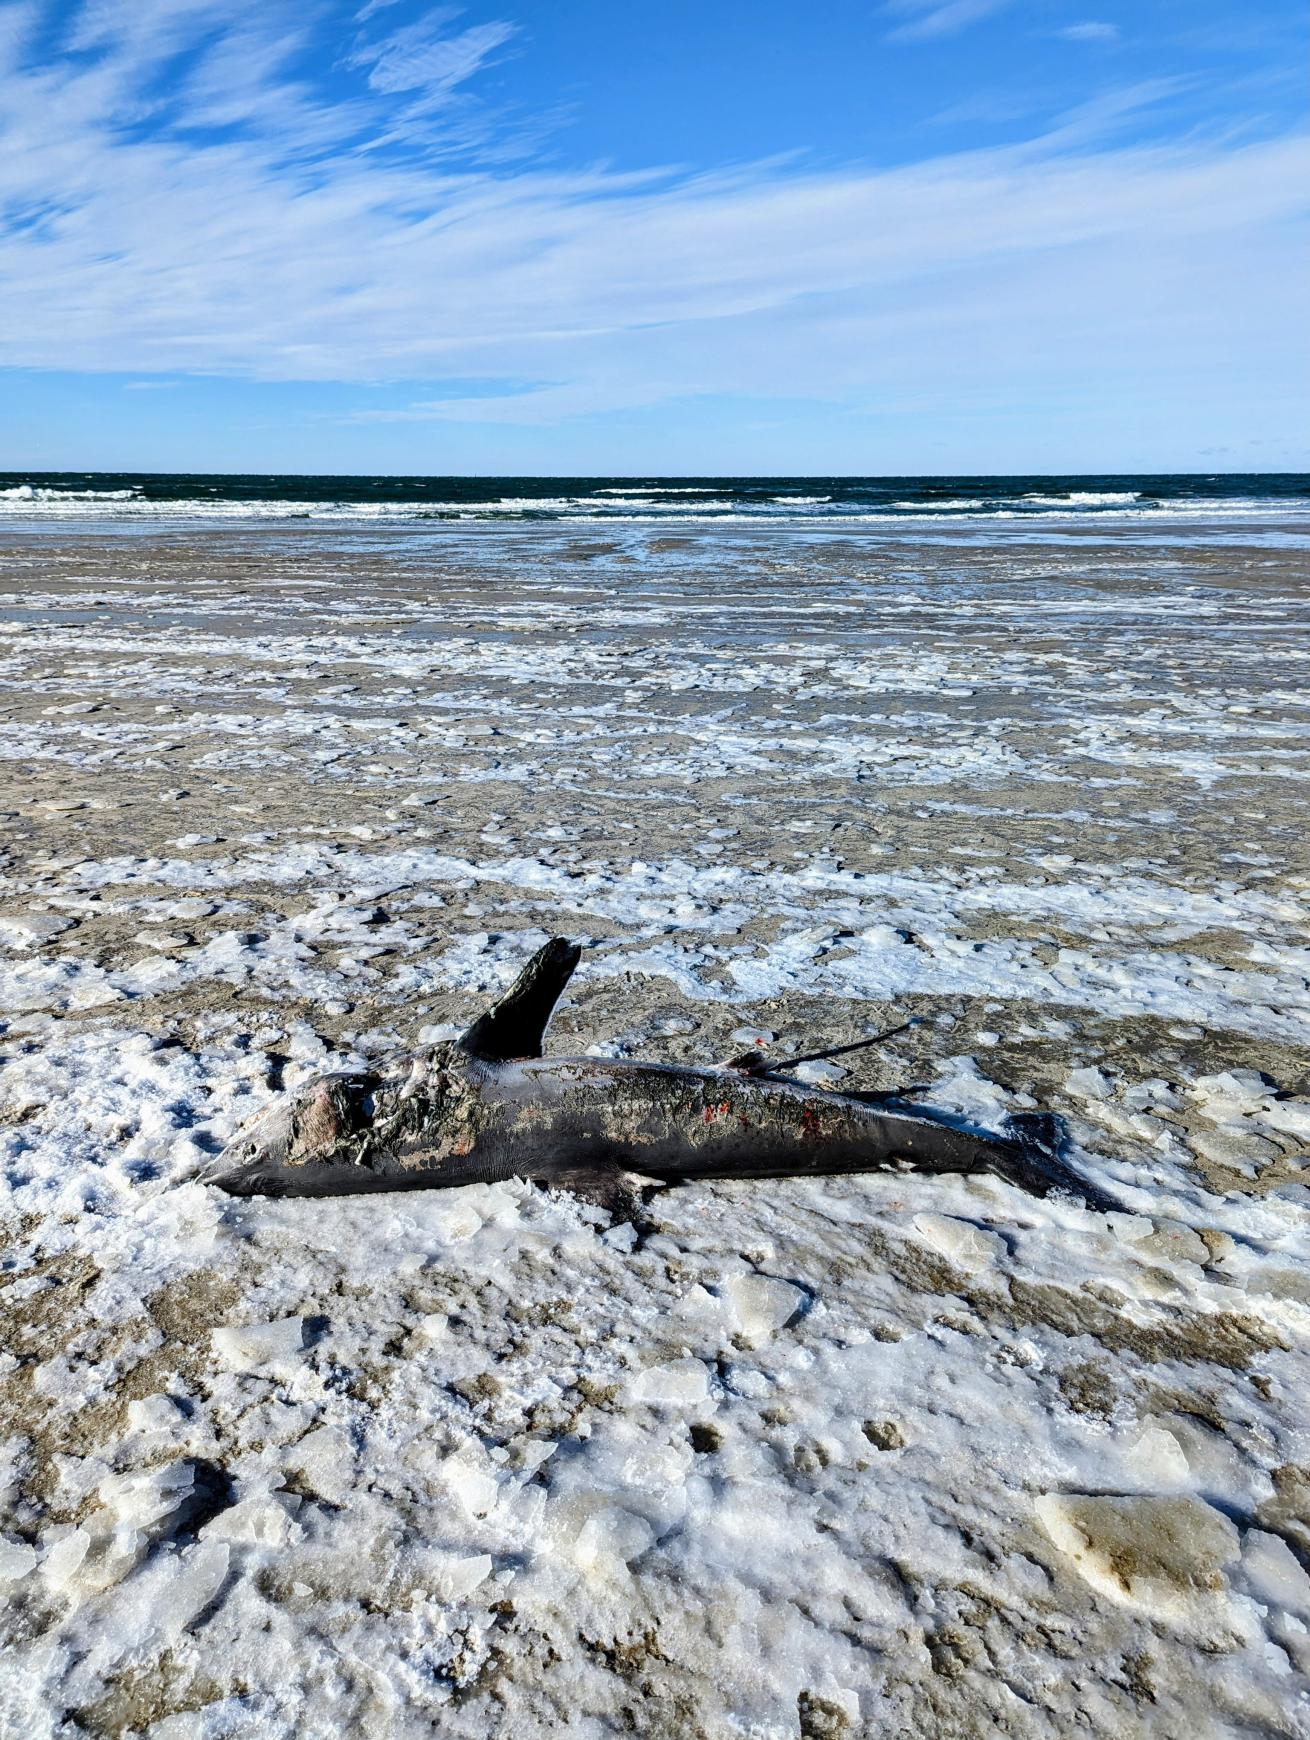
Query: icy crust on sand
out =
(849, 934)
(477, 1460)
(858, 1456)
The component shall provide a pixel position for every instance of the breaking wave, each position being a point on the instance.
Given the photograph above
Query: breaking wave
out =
(38, 499)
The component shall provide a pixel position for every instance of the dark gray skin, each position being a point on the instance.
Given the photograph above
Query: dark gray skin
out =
(489, 1106)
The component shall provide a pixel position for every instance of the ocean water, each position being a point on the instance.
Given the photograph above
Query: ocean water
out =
(45, 498)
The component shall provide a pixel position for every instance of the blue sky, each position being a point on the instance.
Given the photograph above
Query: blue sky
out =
(894, 236)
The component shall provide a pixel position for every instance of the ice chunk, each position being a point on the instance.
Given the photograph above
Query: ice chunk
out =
(175, 1589)
(1292, 1116)
(962, 1087)
(679, 1383)
(92, 995)
(969, 1247)
(264, 1519)
(456, 1218)
(1151, 1096)
(252, 1345)
(1090, 1083)
(142, 1499)
(153, 1414)
(30, 929)
(1157, 1456)
(327, 1461)
(471, 1486)
(16, 1560)
(759, 1305)
(534, 1451)
(64, 1559)
(1246, 1089)
(1132, 1228)
(819, 1073)
(1273, 1573)
(1167, 1556)
(1172, 1242)
(1235, 1145)
(459, 1577)
(610, 1539)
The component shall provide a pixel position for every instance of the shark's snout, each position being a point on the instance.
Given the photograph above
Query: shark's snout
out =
(310, 1129)
(249, 1180)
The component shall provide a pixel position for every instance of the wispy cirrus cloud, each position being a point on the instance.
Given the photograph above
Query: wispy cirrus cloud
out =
(259, 227)
(428, 57)
(1090, 30)
(926, 19)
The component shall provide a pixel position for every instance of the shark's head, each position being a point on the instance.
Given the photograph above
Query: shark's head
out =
(300, 1143)
(330, 1136)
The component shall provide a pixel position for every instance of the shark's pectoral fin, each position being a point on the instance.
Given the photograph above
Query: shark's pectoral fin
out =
(620, 1193)
(515, 1025)
(747, 1063)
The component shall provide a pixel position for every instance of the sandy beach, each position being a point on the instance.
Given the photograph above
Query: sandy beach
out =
(856, 1456)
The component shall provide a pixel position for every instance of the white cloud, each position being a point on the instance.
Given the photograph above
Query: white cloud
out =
(1093, 30)
(17, 22)
(933, 18)
(275, 247)
(422, 57)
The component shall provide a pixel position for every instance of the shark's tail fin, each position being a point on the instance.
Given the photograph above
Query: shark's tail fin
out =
(1042, 1131)
(1039, 1140)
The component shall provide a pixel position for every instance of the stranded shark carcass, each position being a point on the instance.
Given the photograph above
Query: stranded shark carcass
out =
(490, 1106)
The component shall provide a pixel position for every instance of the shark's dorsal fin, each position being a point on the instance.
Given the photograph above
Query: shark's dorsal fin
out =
(515, 1025)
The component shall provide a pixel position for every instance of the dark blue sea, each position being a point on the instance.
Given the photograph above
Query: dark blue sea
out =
(45, 497)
